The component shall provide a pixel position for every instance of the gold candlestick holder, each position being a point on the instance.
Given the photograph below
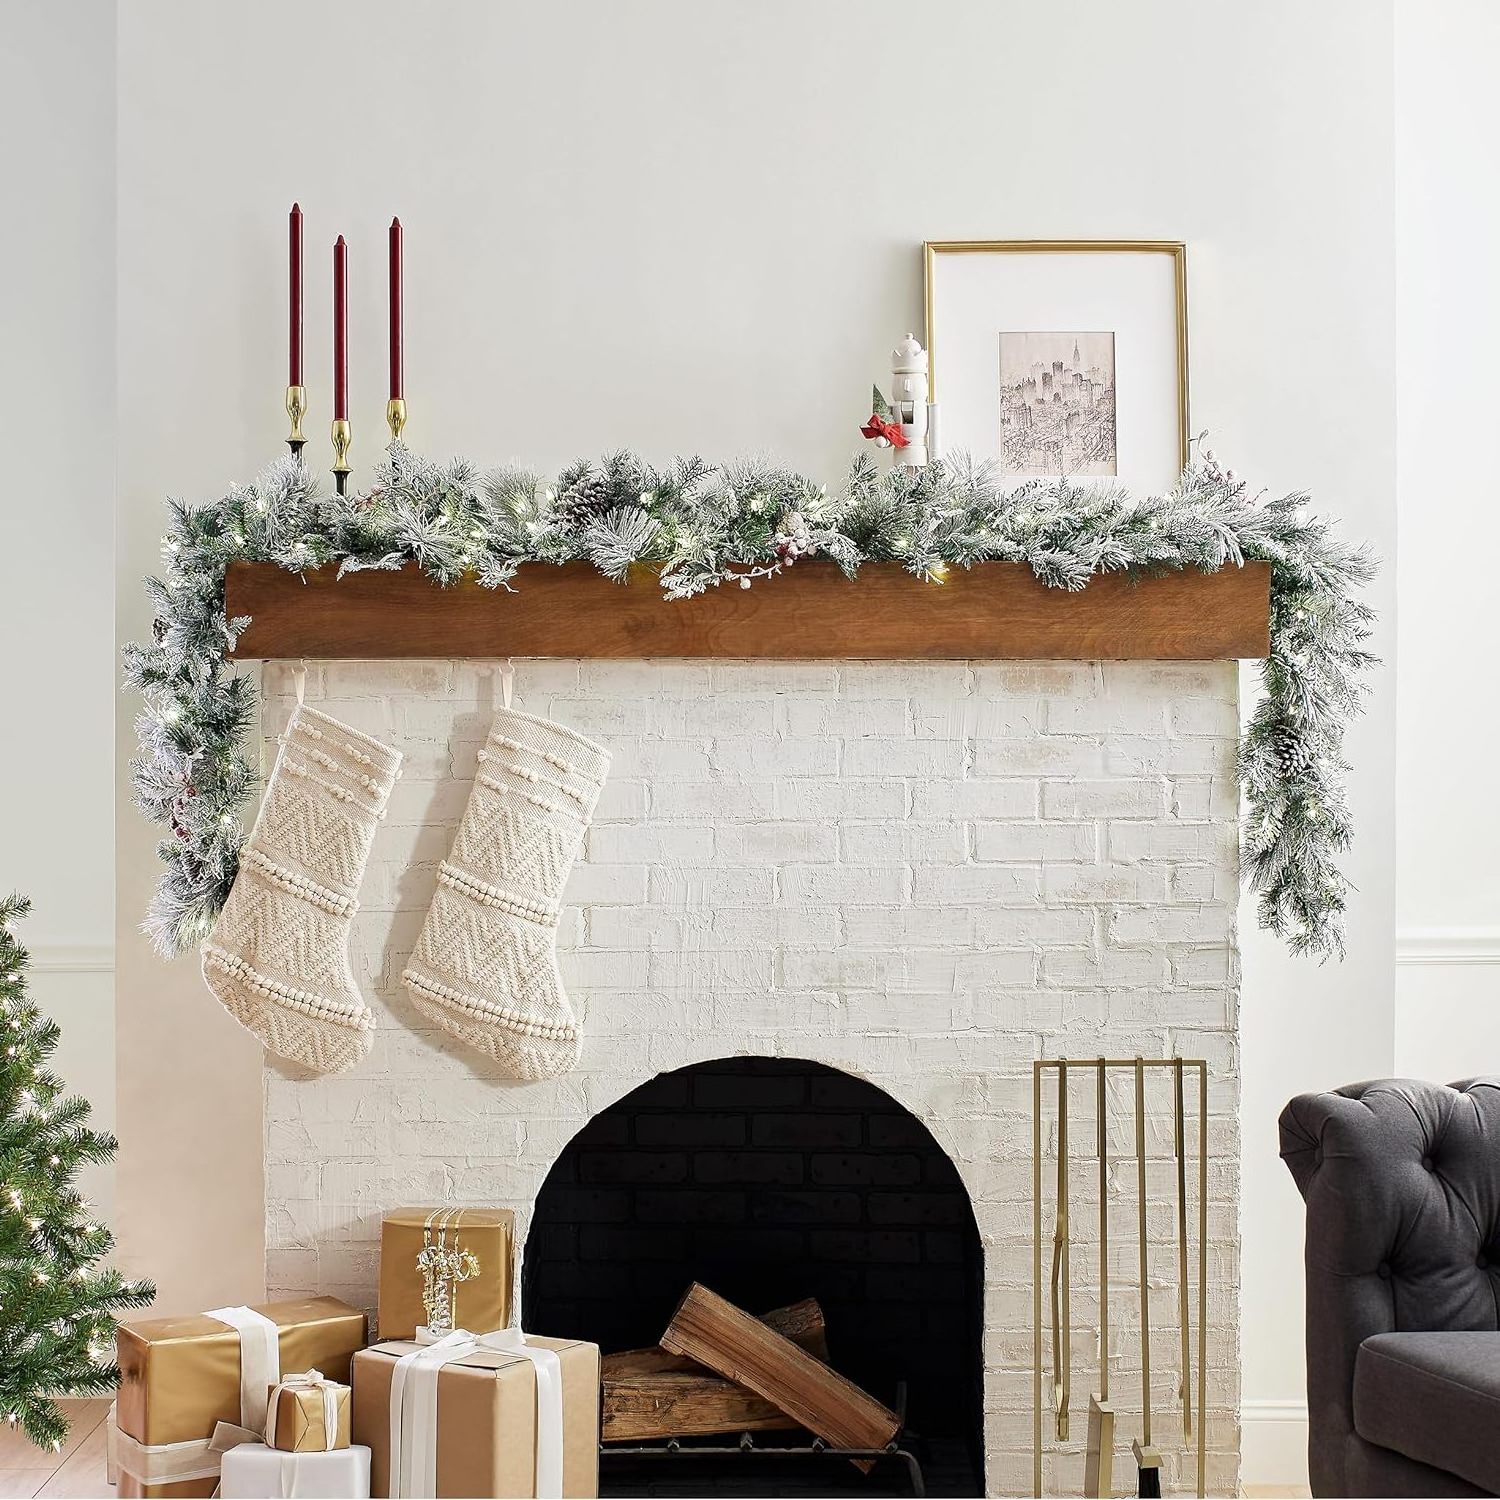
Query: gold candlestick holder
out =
(296, 409)
(395, 417)
(343, 436)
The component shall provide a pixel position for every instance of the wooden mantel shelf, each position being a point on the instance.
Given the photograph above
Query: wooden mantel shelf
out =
(993, 611)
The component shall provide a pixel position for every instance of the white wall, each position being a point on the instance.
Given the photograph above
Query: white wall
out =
(695, 227)
(1448, 826)
(57, 313)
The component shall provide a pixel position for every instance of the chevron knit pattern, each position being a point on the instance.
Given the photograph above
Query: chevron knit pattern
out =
(278, 957)
(485, 965)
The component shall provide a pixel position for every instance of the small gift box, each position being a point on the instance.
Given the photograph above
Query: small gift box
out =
(190, 1388)
(307, 1414)
(445, 1268)
(503, 1414)
(255, 1472)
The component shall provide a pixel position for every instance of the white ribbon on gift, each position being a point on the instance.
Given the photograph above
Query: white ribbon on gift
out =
(414, 1411)
(260, 1363)
(199, 1458)
(310, 1380)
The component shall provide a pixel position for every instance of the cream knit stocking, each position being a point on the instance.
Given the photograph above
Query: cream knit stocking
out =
(278, 955)
(485, 965)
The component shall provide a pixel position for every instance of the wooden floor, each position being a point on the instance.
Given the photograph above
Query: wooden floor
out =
(78, 1470)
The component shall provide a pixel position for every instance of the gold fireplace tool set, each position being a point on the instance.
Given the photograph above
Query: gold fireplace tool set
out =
(1099, 1457)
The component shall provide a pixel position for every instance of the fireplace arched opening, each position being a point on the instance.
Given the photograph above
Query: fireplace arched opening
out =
(770, 1180)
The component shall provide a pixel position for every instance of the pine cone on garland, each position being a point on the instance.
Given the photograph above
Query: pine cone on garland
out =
(1292, 753)
(584, 501)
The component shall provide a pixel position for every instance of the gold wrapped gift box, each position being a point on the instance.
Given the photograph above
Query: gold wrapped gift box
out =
(481, 1303)
(180, 1377)
(487, 1419)
(298, 1424)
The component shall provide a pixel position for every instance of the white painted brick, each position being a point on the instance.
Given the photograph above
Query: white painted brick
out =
(721, 801)
(1169, 681)
(1041, 755)
(773, 757)
(805, 798)
(605, 718)
(536, 678)
(814, 718)
(998, 927)
(710, 971)
(634, 759)
(715, 717)
(777, 843)
(644, 679)
(997, 798)
(1134, 841)
(1033, 843)
(1195, 798)
(1073, 884)
(1204, 716)
(780, 865)
(908, 927)
(634, 843)
(1145, 798)
(1168, 925)
(621, 800)
(1149, 755)
(385, 679)
(598, 885)
(902, 843)
(1000, 885)
(757, 678)
(1036, 679)
(712, 887)
(901, 679)
(975, 718)
(1126, 714)
(854, 884)
(890, 757)
(430, 719)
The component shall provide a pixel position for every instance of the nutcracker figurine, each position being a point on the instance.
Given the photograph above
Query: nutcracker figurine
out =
(909, 400)
(902, 423)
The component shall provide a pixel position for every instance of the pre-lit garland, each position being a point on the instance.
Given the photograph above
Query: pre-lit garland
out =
(705, 526)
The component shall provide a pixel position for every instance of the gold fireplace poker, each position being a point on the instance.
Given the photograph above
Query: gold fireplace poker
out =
(1061, 1271)
(1179, 1146)
(1098, 1457)
(1147, 1459)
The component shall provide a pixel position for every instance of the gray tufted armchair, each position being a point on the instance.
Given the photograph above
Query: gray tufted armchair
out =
(1402, 1185)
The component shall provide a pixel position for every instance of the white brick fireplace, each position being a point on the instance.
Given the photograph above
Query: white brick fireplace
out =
(922, 874)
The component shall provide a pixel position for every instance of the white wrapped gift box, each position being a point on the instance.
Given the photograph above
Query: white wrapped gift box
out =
(253, 1471)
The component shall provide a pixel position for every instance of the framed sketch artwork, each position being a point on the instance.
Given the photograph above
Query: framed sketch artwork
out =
(1062, 358)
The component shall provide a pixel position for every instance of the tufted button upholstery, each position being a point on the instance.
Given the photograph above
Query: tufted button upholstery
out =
(1402, 1185)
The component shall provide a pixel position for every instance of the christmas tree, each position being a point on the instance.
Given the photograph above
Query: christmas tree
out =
(58, 1306)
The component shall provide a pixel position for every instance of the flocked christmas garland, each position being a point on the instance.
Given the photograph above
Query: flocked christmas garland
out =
(707, 526)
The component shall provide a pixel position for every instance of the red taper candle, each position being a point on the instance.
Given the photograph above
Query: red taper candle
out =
(294, 344)
(340, 330)
(397, 372)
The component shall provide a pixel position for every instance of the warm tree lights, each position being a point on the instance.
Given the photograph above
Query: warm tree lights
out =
(58, 1305)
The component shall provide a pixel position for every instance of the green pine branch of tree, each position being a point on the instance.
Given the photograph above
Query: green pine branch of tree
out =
(58, 1303)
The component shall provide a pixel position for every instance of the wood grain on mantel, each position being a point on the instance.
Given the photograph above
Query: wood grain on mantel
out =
(992, 611)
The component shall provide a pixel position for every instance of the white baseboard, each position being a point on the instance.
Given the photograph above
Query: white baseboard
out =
(1424, 946)
(1273, 1443)
(72, 958)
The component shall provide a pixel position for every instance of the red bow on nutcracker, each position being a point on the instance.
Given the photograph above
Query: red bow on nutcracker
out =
(880, 428)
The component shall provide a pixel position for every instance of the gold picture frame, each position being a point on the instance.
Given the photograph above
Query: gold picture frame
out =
(1175, 249)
